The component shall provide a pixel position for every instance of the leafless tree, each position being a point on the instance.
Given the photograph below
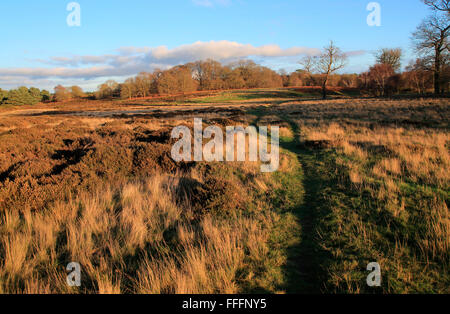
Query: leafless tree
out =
(431, 42)
(77, 92)
(418, 76)
(380, 78)
(438, 5)
(331, 59)
(391, 57)
(107, 89)
(144, 82)
(128, 89)
(61, 93)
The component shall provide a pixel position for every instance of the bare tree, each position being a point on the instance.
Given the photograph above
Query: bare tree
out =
(128, 89)
(380, 78)
(438, 5)
(107, 89)
(390, 57)
(418, 76)
(208, 73)
(431, 42)
(176, 80)
(77, 92)
(143, 83)
(62, 93)
(331, 59)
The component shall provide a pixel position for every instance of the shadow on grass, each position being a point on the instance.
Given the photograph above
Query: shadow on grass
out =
(307, 261)
(305, 269)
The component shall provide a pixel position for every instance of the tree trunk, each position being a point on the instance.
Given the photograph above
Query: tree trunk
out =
(437, 73)
(437, 83)
(324, 90)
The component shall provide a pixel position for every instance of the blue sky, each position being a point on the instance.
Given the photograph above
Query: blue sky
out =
(117, 39)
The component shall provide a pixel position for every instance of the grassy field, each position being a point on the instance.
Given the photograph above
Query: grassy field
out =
(360, 181)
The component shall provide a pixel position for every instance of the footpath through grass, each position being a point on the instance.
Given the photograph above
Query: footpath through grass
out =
(295, 200)
(330, 230)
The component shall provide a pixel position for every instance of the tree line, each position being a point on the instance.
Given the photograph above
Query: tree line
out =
(430, 71)
(202, 75)
(24, 96)
(33, 95)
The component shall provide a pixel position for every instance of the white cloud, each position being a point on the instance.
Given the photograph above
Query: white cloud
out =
(128, 61)
(222, 50)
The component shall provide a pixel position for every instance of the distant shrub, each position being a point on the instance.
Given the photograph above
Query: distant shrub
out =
(45, 95)
(3, 95)
(61, 93)
(23, 96)
(77, 92)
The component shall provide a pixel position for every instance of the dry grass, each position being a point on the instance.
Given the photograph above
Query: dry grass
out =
(397, 162)
(103, 191)
(140, 228)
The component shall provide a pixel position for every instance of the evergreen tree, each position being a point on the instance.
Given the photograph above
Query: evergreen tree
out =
(35, 95)
(23, 96)
(45, 95)
(3, 96)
